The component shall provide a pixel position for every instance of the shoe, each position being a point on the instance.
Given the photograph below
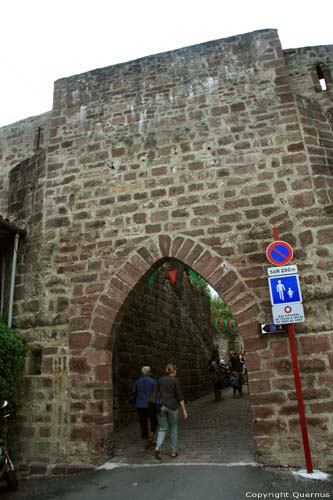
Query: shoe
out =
(174, 454)
(157, 454)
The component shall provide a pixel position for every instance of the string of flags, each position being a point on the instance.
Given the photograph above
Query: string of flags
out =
(172, 273)
(224, 323)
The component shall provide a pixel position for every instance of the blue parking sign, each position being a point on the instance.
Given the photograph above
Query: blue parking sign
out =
(284, 289)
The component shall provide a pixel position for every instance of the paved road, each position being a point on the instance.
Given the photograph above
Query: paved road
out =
(216, 461)
(215, 432)
(175, 482)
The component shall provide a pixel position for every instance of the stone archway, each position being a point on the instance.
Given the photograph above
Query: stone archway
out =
(225, 279)
(107, 312)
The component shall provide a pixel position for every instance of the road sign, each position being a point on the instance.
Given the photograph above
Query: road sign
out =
(279, 253)
(288, 313)
(279, 271)
(284, 289)
(272, 328)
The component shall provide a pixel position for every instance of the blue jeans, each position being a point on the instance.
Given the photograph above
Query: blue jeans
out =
(168, 422)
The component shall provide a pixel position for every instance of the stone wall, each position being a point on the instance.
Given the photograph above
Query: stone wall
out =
(163, 323)
(195, 155)
(18, 142)
(305, 67)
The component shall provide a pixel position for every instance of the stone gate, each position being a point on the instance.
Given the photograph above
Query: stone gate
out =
(195, 155)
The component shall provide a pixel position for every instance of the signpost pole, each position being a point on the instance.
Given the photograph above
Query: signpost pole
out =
(298, 386)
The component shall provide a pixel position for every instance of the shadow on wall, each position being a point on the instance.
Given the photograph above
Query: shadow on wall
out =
(162, 321)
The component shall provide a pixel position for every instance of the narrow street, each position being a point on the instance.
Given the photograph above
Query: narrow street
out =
(216, 461)
(215, 432)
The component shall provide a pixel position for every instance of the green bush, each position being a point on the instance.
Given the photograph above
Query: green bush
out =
(13, 349)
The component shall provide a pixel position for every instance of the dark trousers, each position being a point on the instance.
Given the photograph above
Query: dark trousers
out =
(147, 415)
(240, 381)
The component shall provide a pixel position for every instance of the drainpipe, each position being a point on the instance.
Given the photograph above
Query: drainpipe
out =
(12, 282)
(2, 293)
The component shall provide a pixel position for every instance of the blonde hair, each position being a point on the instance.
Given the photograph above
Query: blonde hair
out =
(170, 368)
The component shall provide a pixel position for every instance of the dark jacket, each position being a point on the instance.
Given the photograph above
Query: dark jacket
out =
(143, 387)
(236, 364)
(170, 392)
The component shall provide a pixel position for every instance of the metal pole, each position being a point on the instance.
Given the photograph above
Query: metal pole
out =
(298, 386)
(12, 282)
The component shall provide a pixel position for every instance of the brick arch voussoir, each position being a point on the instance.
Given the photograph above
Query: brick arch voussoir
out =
(201, 258)
(220, 274)
(111, 300)
(222, 277)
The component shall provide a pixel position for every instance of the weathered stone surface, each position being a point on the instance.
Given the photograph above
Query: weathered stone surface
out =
(163, 323)
(236, 139)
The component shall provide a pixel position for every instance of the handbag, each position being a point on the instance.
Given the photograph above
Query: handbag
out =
(153, 397)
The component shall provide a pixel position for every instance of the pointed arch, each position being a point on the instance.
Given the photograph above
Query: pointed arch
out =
(223, 277)
(93, 342)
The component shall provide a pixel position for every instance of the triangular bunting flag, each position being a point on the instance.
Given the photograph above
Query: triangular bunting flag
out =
(172, 275)
(151, 278)
(193, 274)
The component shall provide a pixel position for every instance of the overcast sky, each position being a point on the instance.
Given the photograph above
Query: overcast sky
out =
(43, 40)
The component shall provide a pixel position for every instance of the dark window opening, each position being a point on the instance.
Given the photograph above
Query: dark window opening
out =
(321, 77)
(34, 362)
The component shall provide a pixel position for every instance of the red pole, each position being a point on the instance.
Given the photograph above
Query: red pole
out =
(298, 386)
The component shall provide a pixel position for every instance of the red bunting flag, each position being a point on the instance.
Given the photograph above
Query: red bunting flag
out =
(172, 275)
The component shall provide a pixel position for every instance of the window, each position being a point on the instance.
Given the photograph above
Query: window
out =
(321, 77)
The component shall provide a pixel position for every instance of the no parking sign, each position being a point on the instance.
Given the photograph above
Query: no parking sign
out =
(279, 253)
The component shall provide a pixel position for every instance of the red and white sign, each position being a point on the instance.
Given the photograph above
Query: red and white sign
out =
(288, 313)
(279, 253)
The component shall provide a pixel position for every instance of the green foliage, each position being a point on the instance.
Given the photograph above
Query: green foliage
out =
(13, 349)
(199, 282)
(219, 309)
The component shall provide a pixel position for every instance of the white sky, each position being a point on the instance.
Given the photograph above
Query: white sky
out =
(43, 40)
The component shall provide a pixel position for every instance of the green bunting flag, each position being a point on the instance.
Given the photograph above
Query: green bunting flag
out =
(193, 274)
(151, 278)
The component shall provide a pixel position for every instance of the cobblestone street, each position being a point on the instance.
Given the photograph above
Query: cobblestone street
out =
(215, 432)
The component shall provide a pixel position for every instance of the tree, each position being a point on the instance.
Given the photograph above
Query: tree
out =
(199, 282)
(219, 309)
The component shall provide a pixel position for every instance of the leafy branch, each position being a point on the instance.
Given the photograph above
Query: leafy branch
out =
(13, 350)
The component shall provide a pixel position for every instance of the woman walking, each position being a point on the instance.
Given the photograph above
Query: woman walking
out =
(171, 399)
